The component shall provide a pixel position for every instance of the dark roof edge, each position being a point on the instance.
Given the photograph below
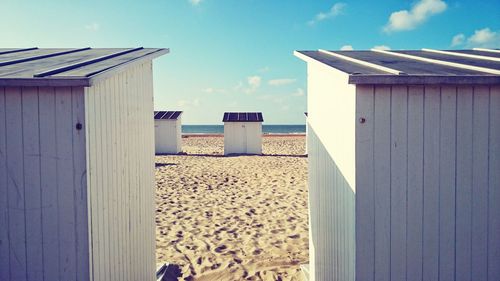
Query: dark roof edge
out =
(122, 67)
(45, 82)
(424, 79)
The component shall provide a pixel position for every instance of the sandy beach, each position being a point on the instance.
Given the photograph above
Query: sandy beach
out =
(233, 218)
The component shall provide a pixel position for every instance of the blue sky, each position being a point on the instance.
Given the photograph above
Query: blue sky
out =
(236, 55)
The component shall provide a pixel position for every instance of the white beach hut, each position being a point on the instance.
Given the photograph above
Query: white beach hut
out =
(404, 161)
(242, 132)
(77, 164)
(168, 132)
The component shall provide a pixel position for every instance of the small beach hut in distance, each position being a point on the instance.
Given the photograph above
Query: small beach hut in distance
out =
(404, 161)
(77, 164)
(168, 132)
(242, 132)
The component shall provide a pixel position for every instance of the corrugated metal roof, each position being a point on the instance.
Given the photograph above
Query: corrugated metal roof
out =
(426, 66)
(67, 67)
(243, 117)
(167, 115)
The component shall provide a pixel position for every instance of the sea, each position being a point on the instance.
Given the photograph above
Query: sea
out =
(266, 129)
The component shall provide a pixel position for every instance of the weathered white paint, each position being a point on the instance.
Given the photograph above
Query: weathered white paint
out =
(419, 164)
(43, 205)
(422, 197)
(168, 136)
(78, 204)
(242, 138)
(331, 174)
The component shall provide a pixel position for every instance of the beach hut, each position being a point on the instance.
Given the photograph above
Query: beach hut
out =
(77, 164)
(404, 161)
(242, 132)
(168, 132)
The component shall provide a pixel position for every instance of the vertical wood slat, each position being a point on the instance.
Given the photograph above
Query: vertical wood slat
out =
(447, 165)
(64, 152)
(398, 180)
(464, 183)
(31, 149)
(80, 184)
(415, 183)
(91, 178)
(48, 164)
(431, 183)
(479, 226)
(365, 255)
(121, 178)
(494, 185)
(382, 188)
(4, 203)
(15, 184)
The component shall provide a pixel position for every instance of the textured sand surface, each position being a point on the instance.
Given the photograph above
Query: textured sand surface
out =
(233, 218)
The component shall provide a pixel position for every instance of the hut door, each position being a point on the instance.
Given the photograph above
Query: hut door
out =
(243, 132)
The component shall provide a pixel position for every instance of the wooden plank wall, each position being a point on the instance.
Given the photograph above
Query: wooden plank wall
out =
(120, 136)
(428, 183)
(43, 210)
(242, 138)
(331, 132)
(168, 136)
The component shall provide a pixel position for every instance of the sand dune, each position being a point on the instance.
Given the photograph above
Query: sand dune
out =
(233, 218)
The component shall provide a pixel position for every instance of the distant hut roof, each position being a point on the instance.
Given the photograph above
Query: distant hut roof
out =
(426, 66)
(67, 67)
(243, 117)
(167, 115)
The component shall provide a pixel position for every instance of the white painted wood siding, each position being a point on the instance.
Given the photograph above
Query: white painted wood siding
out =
(120, 137)
(242, 138)
(428, 183)
(43, 209)
(331, 147)
(168, 136)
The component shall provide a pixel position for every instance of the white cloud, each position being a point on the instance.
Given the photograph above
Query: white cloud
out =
(419, 13)
(254, 81)
(381, 47)
(252, 84)
(93, 26)
(346, 48)
(298, 93)
(334, 11)
(195, 2)
(281, 81)
(188, 103)
(485, 38)
(458, 39)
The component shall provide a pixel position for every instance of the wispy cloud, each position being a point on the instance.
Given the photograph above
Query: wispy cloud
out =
(93, 26)
(334, 11)
(457, 40)
(485, 38)
(381, 47)
(298, 93)
(281, 81)
(346, 48)
(419, 13)
(188, 103)
(251, 85)
(195, 2)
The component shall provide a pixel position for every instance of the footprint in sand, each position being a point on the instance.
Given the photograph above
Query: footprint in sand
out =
(220, 249)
